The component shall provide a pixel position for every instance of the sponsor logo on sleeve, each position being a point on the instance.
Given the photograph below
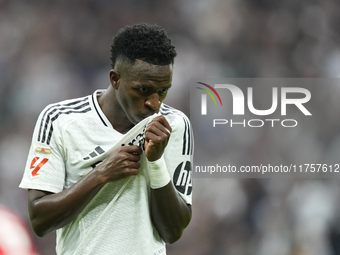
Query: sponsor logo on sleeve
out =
(182, 178)
(37, 164)
(43, 150)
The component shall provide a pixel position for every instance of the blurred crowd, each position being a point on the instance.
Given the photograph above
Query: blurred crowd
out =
(56, 50)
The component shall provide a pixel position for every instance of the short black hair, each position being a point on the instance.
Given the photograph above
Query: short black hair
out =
(146, 42)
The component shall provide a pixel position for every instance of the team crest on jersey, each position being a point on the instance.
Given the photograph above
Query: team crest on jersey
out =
(182, 178)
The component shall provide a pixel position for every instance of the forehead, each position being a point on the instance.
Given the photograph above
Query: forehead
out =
(143, 70)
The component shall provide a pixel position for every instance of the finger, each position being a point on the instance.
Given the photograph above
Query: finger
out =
(162, 120)
(151, 137)
(157, 135)
(158, 129)
(130, 171)
(132, 149)
(133, 165)
(133, 157)
(130, 156)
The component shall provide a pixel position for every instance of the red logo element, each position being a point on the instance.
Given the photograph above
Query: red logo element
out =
(40, 165)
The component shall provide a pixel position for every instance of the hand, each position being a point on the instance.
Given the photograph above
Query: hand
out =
(157, 135)
(121, 163)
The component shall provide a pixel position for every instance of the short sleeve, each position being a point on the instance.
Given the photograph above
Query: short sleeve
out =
(179, 153)
(45, 168)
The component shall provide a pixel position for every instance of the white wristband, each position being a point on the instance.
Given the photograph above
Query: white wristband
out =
(158, 173)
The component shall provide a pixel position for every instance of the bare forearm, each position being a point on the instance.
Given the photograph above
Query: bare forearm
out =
(169, 212)
(49, 211)
(53, 211)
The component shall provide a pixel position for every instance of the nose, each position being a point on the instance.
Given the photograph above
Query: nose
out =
(153, 102)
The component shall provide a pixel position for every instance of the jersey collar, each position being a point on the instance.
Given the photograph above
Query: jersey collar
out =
(99, 111)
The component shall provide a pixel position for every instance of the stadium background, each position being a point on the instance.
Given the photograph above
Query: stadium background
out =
(55, 50)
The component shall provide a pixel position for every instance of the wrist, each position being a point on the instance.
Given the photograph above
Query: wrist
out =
(158, 173)
(98, 174)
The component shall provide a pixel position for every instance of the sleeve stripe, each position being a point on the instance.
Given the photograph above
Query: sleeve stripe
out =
(48, 113)
(187, 135)
(189, 150)
(55, 117)
(184, 137)
(192, 142)
(189, 138)
(166, 110)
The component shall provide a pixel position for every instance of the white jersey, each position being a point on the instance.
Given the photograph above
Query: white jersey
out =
(69, 140)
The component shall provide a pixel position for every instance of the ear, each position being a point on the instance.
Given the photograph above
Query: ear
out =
(114, 78)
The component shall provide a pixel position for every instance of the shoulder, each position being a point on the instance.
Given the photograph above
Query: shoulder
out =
(66, 108)
(69, 104)
(181, 138)
(176, 118)
(181, 128)
(53, 116)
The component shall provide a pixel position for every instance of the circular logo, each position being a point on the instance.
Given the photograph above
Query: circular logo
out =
(182, 178)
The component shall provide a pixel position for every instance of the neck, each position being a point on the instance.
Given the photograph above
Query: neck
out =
(113, 112)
